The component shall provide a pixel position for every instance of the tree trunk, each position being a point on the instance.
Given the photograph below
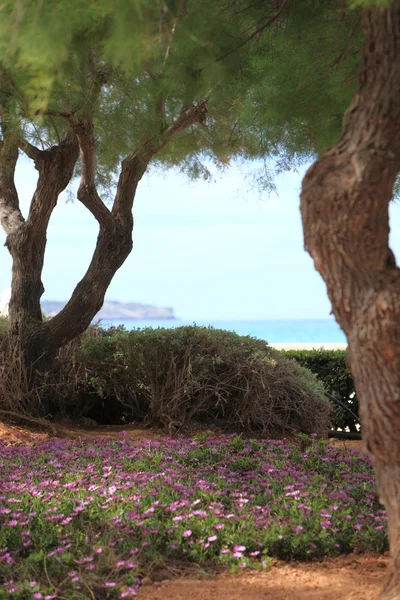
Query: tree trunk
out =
(344, 206)
(27, 244)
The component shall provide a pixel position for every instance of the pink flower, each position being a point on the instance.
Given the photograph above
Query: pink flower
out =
(110, 584)
(130, 591)
(212, 538)
(187, 533)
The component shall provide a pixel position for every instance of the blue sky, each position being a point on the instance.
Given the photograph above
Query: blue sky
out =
(215, 250)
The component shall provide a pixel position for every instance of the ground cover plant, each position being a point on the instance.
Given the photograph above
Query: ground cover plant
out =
(88, 519)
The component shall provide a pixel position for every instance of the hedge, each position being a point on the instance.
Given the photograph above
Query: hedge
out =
(331, 368)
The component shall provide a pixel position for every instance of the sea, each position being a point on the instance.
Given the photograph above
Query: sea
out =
(315, 331)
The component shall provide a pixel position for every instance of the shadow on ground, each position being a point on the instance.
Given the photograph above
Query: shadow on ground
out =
(343, 578)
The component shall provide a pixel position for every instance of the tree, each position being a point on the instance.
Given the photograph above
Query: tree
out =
(344, 204)
(102, 90)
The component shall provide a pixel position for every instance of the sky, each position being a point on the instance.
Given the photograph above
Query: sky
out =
(212, 250)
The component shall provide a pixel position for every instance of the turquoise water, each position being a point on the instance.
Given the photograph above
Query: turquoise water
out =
(277, 332)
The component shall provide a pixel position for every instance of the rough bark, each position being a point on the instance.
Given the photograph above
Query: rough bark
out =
(26, 242)
(344, 205)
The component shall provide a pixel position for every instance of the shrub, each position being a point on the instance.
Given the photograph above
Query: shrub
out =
(173, 377)
(331, 368)
(177, 376)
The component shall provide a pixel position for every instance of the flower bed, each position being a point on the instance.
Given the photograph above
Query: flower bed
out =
(86, 519)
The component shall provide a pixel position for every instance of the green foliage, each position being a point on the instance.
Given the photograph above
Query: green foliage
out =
(282, 94)
(330, 366)
(371, 3)
(195, 374)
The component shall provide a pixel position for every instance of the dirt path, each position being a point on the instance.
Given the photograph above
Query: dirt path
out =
(343, 578)
(18, 434)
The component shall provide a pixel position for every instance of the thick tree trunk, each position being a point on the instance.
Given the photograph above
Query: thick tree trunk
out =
(344, 205)
(27, 244)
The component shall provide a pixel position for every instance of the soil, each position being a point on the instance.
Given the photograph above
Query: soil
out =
(343, 578)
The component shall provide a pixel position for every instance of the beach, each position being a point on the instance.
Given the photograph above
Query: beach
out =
(309, 346)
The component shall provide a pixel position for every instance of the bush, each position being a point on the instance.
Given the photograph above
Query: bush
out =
(331, 368)
(175, 377)
(196, 374)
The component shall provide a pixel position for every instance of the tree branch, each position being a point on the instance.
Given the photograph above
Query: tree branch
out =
(135, 164)
(10, 214)
(56, 167)
(53, 113)
(255, 33)
(197, 113)
(30, 150)
(87, 192)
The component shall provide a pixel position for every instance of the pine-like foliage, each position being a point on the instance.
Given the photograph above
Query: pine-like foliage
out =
(276, 76)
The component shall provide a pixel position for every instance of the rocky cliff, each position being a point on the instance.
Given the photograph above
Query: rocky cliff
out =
(117, 310)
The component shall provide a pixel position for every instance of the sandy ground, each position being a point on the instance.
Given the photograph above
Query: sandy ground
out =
(299, 346)
(343, 578)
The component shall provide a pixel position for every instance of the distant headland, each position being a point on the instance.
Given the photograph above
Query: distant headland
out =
(111, 309)
(117, 310)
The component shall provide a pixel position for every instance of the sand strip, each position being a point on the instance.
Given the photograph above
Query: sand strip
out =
(310, 346)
